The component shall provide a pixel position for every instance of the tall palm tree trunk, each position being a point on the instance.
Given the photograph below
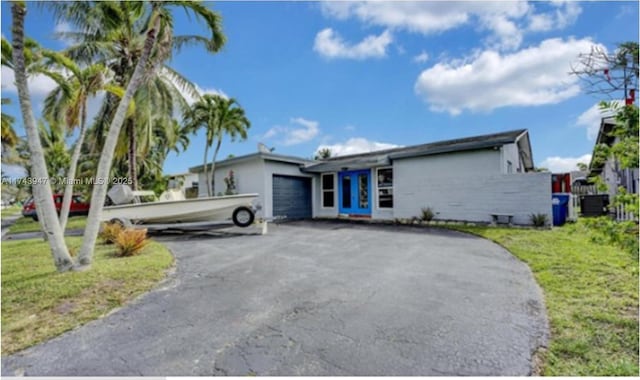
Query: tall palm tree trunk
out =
(71, 174)
(206, 171)
(213, 163)
(106, 158)
(42, 194)
(133, 169)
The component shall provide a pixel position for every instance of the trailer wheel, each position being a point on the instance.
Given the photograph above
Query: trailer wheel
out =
(243, 216)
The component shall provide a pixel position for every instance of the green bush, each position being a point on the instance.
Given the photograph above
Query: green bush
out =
(427, 214)
(622, 234)
(539, 220)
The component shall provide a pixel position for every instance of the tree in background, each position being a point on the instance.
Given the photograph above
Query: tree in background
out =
(614, 75)
(111, 33)
(218, 116)
(68, 105)
(323, 154)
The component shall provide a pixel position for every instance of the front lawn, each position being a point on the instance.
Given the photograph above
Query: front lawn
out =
(11, 210)
(38, 303)
(29, 225)
(591, 294)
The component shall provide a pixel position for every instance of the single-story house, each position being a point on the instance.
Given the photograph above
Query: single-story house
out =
(467, 179)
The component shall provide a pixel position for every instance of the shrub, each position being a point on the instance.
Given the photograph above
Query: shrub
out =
(130, 242)
(427, 214)
(539, 220)
(109, 232)
(622, 234)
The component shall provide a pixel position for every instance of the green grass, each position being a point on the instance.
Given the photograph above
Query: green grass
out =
(591, 294)
(38, 303)
(11, 210)
(29, 225)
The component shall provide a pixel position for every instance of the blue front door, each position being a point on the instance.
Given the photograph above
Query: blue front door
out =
(354, 192)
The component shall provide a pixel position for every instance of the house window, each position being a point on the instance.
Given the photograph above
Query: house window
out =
(509, 167)
(385, 187)
(328, 190)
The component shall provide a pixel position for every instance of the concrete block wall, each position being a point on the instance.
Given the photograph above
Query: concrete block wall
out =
(469, 196)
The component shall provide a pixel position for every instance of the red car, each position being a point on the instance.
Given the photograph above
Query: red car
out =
(78, 206)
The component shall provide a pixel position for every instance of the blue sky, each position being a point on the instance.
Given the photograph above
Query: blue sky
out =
(357, 76)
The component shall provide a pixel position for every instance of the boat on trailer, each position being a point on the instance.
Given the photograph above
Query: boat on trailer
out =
(172, 207)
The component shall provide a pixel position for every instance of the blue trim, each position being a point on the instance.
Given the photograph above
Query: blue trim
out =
(354, 209)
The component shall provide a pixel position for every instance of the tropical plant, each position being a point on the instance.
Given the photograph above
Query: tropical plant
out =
(9, 137)
(130, 242)
(68, 104)
(539, 220)
(158, 43)
(56, 154)
(110, 232)
(218, 116)
(118, 42)
(42, 193)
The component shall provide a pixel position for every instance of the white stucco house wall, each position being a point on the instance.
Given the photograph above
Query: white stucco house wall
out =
(466, 179)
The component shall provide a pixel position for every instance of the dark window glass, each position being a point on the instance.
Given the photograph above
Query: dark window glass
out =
(327, 182)
(327, 199)
(346, 192)
(385, 177)
(385, 188)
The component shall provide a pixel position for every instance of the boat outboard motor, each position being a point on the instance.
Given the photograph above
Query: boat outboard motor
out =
(120, 194)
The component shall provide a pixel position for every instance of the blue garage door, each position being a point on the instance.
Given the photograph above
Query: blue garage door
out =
(291, 197)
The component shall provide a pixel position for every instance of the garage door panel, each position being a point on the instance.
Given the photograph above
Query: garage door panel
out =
(291, 197)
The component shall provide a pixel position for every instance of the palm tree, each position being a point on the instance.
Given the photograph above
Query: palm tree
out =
(219, 116)
(42, 194)
(155, 50)
(69, 105)
(9, 136)
(110, 32)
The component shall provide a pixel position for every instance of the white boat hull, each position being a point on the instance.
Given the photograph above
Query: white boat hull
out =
(182, 211)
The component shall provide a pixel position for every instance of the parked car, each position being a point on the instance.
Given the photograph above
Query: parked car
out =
(78, 206)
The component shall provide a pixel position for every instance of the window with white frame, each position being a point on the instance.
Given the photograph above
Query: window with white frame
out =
(385, 187)
(328, 190)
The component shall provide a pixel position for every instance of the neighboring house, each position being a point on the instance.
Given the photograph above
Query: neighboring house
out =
(187, 182)
(466, 179)
(610, 171)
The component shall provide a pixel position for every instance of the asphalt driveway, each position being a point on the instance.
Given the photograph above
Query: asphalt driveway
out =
(316, 299)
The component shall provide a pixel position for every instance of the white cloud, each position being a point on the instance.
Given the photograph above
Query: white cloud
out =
(557, 164)
(565, 14)
(63, 27)
(305, 130)
(329, 44)
(355, 145)
(421, 58)
(505, 20)
(39, 85)
(488, 80)
(591, 119)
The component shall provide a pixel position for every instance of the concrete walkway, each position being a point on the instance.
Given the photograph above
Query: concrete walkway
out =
(316, 299)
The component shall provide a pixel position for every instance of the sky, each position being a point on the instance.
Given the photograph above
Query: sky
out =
(361, 76)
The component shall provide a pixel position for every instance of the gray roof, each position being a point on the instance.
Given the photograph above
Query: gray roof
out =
(256, 156)
(384, 157)
(604, 137)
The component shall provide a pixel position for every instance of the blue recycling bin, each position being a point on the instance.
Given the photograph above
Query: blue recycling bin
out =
(560, 203)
